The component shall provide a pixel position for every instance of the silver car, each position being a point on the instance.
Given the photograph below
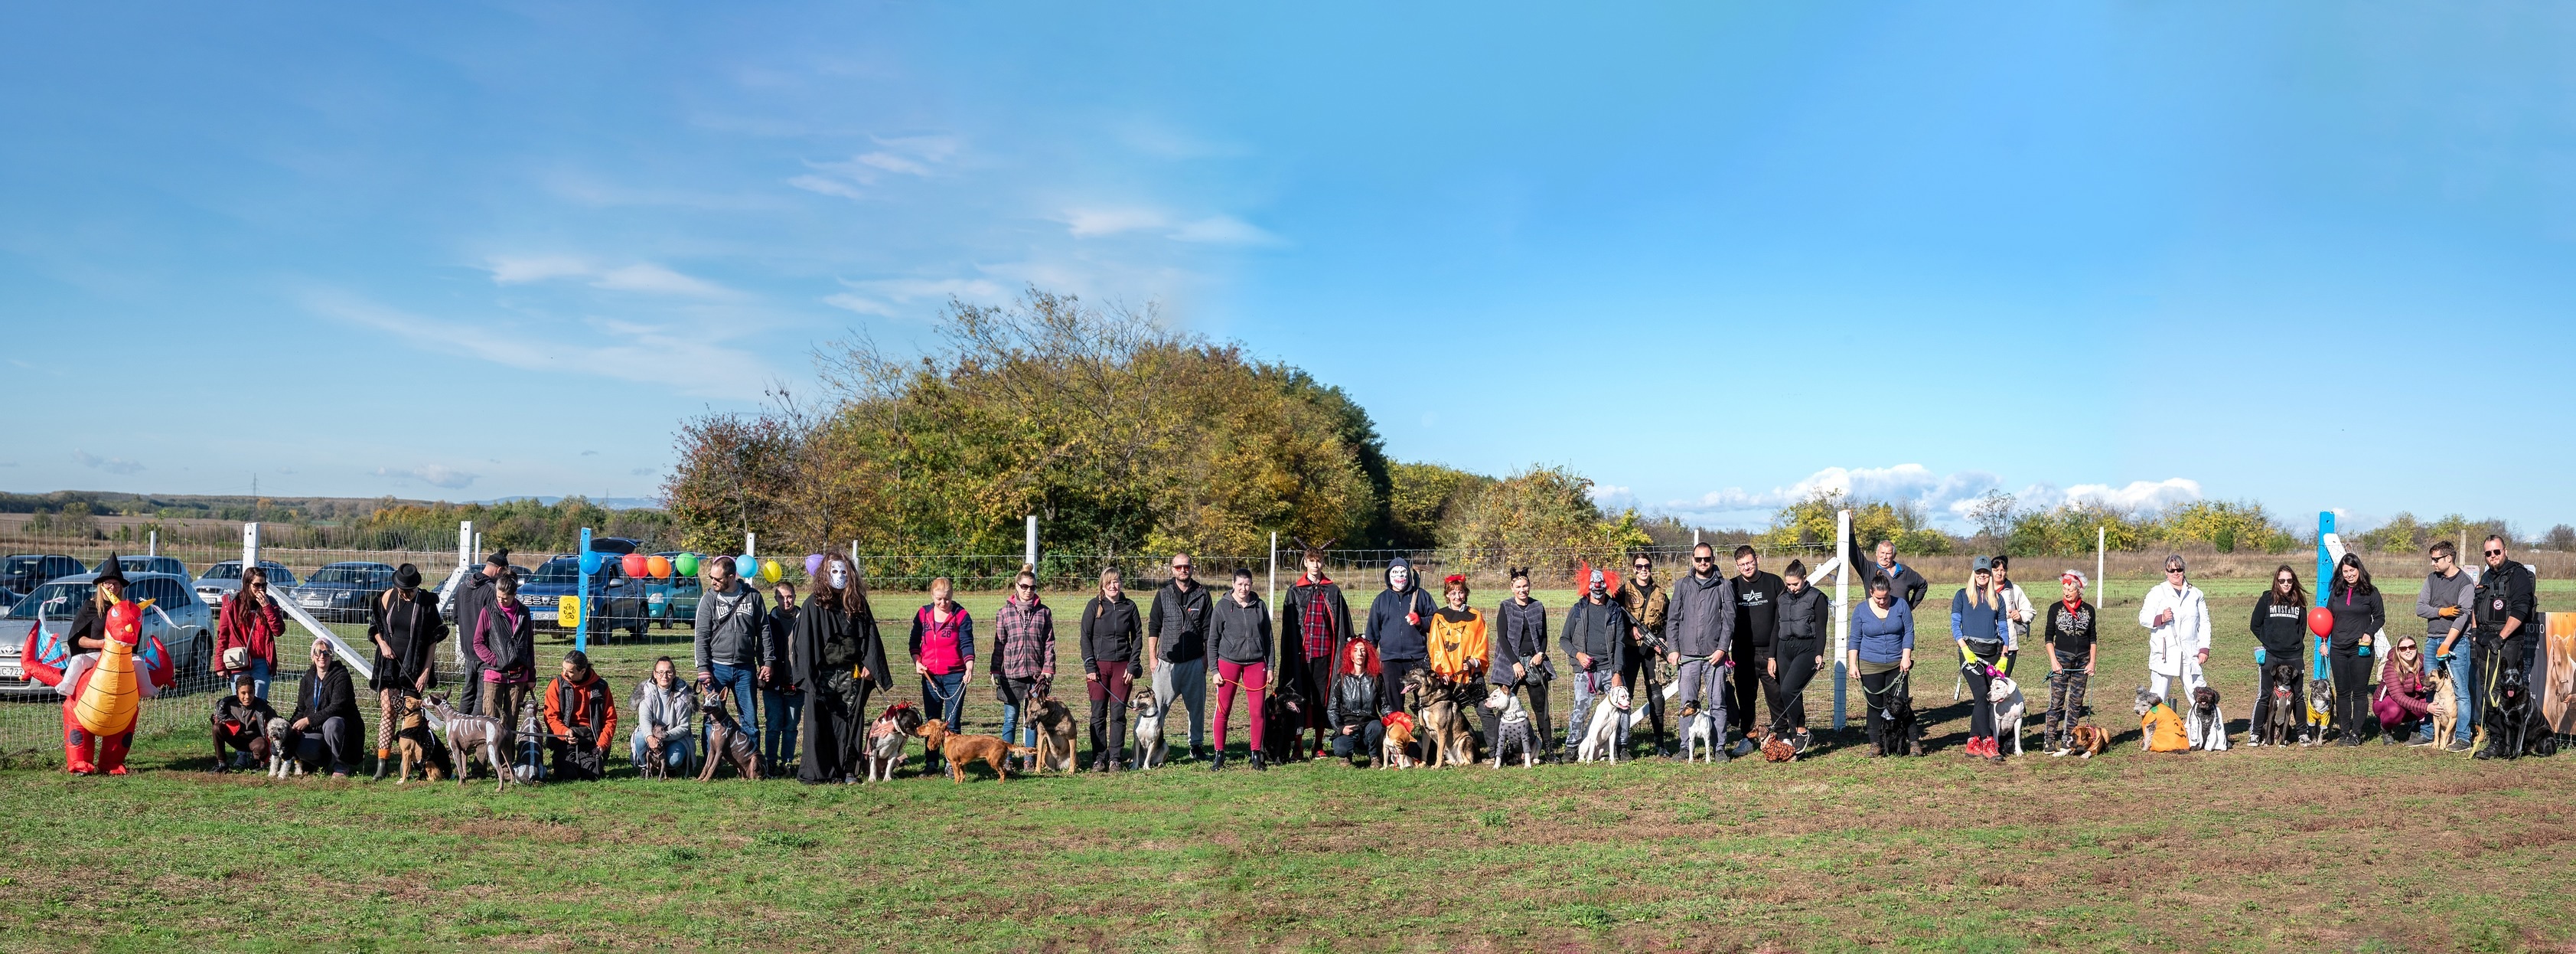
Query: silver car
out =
(188, 631)
(224, 579)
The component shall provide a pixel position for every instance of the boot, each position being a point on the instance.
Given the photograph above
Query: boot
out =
(1199, 753)
(1217, 763)
(1256, 762)
(381, 758)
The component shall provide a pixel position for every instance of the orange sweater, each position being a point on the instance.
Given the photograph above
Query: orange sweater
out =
(1455, 643)
(2164, 730)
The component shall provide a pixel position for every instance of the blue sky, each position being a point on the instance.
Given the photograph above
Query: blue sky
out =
(1708, 255)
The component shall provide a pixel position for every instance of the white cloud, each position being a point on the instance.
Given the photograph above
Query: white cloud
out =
(1221, 230)
(1613, 497)
(113, 465)
(882, 296)
(1946, 498)
(642, 277)
(827, 186)
(435, 475)
(1094, 222)
(919, 157)
(685, 359)
(512, 270)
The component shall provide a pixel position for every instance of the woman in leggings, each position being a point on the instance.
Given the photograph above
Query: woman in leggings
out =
(2358, 614)
(1982, 627)
(1797, 652)
(1881, 650)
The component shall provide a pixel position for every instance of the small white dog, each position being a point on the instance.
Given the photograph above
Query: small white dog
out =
(1148, 737)
(1698, 729)
(283, 741)
(2009, 707)
(1601, 734)
(1512, 729)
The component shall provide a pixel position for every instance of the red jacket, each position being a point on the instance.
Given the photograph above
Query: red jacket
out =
(240, 623)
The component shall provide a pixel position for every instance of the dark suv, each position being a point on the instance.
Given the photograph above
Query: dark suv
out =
(342, 592)
(621, 601)
(22, 573)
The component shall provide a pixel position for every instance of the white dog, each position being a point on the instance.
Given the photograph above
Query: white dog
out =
(1698, 727)
(1148, 735)
(2009, 707)
(283, 741)
(1512, 729)
(1601, 734)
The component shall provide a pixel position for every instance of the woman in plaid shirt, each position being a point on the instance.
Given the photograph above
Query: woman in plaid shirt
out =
(1024, 642)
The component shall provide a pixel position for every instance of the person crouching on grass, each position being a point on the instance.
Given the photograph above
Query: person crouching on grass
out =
(1460, 648)
(1239, 636)
(579, 715)
(2405, 696)
(239, 722)
(1355, 708)
(2069, 633)
(663, 706)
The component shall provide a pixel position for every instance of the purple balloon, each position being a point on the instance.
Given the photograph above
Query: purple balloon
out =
(813, 563)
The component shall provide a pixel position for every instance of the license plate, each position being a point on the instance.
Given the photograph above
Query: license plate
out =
(546, 615)
(12, 672)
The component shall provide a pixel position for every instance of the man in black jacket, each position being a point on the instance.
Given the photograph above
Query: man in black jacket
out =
(1595, 638)
(1901, 579)
(326, 714)
(1176, 649)
(473, 596)
(2506, 602)
(240, 724)
(782, 698)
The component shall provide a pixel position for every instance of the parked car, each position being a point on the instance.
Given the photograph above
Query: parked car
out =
(187, 632)
(620, 601)
(224, 579)
(22, 573)
(673, 601)
(447, 592)
(146, 564)
(342, 592)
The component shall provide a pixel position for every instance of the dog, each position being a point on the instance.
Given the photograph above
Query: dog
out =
(2320, 712)
(2089, 740)
(1601, 734)
(1698, 728)
(1512, 730)
(1447, 739)
(414, 744)
(1054, 723)
(726, 741)
(1396, 751)
(1896, 709)
(2147, 702)
(2281, 720)
(283, 741)
(2514, 724)
(1283, 725)
(1778, 746)
(2446, 706)
(958, 750)
(2206, 723)
(2010, 706)
(470, 736)
(1148, 735)
(887, 737)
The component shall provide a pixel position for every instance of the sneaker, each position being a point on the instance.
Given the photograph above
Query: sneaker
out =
(2457, 746)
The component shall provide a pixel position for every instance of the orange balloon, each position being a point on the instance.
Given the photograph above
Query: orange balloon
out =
(659, 566)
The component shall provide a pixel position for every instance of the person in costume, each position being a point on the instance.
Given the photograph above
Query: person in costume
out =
(1461, 648)
(104, 669)
(1315, 620)
(406, 629)
(840, 660)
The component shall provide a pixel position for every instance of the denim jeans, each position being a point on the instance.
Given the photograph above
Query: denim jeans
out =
(1015, 696)
(2464, 686)
(258, 679)
(675, 750)
(737, 683)
(778, 740)
(943, 697)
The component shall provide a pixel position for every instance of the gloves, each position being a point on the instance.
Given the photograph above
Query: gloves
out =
(2258, 655)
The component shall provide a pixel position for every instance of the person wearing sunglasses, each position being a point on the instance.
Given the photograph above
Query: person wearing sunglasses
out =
(1176, 649)
(2405, 697)
(1024, 654)
(2280, 626)
(2359, 614)
(1647, 606)
(2503, 609)
(1703, 637)
(2443, 605)
(2176, 615)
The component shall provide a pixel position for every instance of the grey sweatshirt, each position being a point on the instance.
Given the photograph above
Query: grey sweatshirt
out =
(728, 629)
(1701, 622)
(2458, 591)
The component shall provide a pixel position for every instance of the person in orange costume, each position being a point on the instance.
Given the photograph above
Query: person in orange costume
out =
(98, 721)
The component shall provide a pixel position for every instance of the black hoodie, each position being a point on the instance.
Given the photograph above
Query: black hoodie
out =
(1396, 638)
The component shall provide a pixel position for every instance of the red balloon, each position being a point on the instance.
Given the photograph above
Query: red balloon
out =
(635, 564)
(2320, 621)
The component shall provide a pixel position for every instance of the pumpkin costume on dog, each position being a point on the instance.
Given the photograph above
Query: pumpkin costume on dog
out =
(2164, 729)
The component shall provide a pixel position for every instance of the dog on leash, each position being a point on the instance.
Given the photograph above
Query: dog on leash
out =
(2281, 720)
(415, 745)
(1447, 739)
(475, 738)
(1896, 709)
(2446, 706)
(1054, 723)
(2086, 740)
(2320, 712)
(1778, 746)
(961, 749)
(887, 737)
(2010, 706)
(1396, 751)
(1698, 730)
(283, 743)
(1601, 732)
(1283, 725)
(1512, 730)
(726, 741)
(1148, 734)
(2206, 724)
(2515, 726)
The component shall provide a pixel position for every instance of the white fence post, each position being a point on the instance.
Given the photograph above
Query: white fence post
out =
(154, 547)
(1842, 611)
(250, 544)
(1274, 568)
(1031, 557)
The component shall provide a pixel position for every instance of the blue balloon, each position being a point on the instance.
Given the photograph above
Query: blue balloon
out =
(590, 562)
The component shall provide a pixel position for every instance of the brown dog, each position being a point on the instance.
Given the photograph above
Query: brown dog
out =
(2086, 740)
(415, 743)
(961, 749)
(727, 743)
(1776, 747)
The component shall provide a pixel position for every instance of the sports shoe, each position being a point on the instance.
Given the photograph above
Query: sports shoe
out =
(2457, 746)
(2419, 743)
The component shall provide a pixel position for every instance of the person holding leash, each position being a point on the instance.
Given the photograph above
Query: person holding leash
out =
(1799, 631)
(1354, 708)
(580, 715)
(1982, 626)
(2280, 625)
(841, 662)
(406, 629)
(504, 645)
(1520, 655)
(1881, 650)
(1112, 640)
(663, 706)
(1399, 623)
(1647, 606)
(943, 655)
(725, 641)
(1757, 611)
(2504, 615)
(1595, 637)
(1239, 636)
(1176, 649)
(2444, 606)
(1461, 645)
(2073, 648)
(1703, 637)
(2176, 616)
(1023, 655)
(2358, 615)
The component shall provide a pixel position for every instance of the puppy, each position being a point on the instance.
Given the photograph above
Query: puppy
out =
(1054, 723)
(2010, 706)
(470, 737)
(1601, 733)
(1777, 746)
(726, 741)
(1396, 752)
(413, 741)
(2320, 712)
(283, 741)
(1148, 735)
(961, 749)
(2085, 739)
(2206, 724)
(1444, 721)
(887, 737)
(2446, 706)
(1698, 728)
(1512, 730)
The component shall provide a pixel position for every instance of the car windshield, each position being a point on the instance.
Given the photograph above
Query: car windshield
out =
(227, 570)
(361, 575)
(19, 565)
(55, 599)
(560, 571)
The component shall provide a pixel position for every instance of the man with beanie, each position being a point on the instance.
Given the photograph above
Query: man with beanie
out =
(1399, 623)
(1595, 637)
(472, 597)
(1702, 634)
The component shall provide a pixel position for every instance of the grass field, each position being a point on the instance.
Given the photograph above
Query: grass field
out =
(2378, 848)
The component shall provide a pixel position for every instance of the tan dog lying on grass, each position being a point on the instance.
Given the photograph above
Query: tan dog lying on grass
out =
(2085, 740)
(961, 749)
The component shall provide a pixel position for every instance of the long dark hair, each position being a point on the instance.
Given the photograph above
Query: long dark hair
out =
(852, 599)
(2361, 588)
(2298, 591)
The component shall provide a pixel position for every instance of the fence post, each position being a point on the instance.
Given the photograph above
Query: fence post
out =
(748, 538)
(153, 548)
(1274, 569)
(1842, 610)
(1031, 554)
(250, 544)
(589, 610)
(465, 544)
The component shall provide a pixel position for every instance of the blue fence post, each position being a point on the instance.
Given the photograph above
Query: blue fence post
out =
(581, 633)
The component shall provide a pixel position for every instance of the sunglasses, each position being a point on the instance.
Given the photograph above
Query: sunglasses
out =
(2173, 569)
(1703, 559)
(1180, 566)
(1024, 586)
(2495, 553)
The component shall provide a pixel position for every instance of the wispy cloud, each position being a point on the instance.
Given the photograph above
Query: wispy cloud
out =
(642, 277)
(1944, 497)
(918, 157)
(113, 465)
(681, 358)
(1099, 221)
(435, 475)
(883, 296)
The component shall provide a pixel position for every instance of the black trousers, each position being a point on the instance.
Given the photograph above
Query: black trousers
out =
(1390, 680)
(1875, 695)
(577, 763)
(469, 697)
(1787, 692)
(1534, 697)
(1750, 661)
(834, 712)
(2351, 689)
(1981, 704)
(1635, 673)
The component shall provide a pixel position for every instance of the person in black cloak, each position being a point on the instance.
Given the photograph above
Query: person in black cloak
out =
(1314, 622)
(406, 629)
(840, 659)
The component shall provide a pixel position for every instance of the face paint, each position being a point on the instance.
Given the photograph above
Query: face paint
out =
(840, 576)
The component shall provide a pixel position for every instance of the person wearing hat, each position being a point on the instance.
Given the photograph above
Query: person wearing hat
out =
(1595, 638)
(1982, 626)
(406, 629)
(2176, 616)
(475, 596)
(240, 721)
(2072, 649)
(579, 714)
(89, 636)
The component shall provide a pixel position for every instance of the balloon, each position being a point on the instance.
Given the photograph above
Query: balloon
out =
(770, 571)
(659, 566)
(590, 561)
(635, 564)
(2320, 621)
(685, 565)
(813, 564)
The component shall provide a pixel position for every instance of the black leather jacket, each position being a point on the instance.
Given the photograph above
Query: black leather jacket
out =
(1354, 701)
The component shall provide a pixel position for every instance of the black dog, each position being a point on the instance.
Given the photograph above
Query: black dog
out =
(1897, 709)
(2514, 725)
(1283, 726)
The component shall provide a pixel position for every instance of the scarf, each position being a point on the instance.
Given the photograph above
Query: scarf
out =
(1316, 622)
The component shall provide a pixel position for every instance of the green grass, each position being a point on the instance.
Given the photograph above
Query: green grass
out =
(2377, 848)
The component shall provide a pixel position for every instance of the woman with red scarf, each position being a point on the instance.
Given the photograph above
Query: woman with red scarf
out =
(2069, 633)
(1315, 620)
